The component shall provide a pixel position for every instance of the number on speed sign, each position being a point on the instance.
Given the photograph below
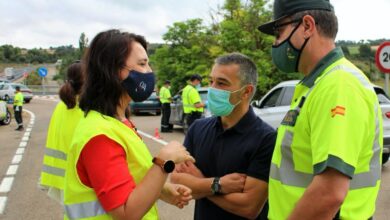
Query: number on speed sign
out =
(382, 57)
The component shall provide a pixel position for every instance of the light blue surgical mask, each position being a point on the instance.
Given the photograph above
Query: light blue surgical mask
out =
(197, 87)
(219, 101)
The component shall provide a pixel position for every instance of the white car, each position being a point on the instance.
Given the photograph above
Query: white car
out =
(177, 114)
(274, 105)
(5, 114)
(7, 91)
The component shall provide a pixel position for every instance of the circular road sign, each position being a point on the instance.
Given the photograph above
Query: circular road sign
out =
(382, 57)
(42, 71)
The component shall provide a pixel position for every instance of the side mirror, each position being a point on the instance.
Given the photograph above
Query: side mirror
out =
(255, 104)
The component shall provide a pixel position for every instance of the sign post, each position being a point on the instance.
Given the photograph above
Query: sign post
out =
(42, 72)
(382, 60)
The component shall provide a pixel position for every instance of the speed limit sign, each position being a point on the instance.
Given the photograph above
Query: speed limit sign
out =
(382, 57)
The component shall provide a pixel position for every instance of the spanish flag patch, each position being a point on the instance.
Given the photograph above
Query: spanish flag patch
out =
(338, 110)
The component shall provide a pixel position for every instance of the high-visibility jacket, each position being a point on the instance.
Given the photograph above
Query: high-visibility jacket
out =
(191, 96)
(334, 121)
(80, 200)
(18, 99)
(165, 95)
(62, 125)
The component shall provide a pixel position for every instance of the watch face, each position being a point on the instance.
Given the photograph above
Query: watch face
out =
(169, 166)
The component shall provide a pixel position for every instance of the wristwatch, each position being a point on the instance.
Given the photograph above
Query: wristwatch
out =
(216, 186)
(167, 165)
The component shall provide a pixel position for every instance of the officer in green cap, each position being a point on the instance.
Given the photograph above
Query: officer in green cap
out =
(326, 163)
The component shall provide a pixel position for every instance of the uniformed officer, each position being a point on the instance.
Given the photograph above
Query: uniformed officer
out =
(18, 107)
(326, 163)
(192, 103)
(166, 99)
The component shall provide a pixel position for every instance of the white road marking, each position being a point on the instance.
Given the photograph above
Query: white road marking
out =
(152, 137)
(20, 151)
(3, 201)
(23, 144)
(12, 169)
(17, 158)
(6, 184)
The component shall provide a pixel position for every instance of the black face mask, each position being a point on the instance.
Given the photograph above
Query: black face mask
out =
(138, 85)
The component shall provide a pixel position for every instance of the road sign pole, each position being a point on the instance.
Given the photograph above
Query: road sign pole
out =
(387, 83)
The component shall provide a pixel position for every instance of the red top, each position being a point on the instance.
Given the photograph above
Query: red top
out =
(102, 166)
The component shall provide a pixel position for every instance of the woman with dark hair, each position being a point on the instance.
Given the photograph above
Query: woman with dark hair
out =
(62, 125)
(110, 172)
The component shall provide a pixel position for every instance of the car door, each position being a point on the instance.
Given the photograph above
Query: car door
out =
(274, 105)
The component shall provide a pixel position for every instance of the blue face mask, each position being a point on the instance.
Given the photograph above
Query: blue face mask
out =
(218, 101)
(197, 87)
(139, 85)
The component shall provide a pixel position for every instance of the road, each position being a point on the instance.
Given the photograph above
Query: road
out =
(20, 197)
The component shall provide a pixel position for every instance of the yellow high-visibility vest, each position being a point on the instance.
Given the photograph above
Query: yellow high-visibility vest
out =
(80, 200)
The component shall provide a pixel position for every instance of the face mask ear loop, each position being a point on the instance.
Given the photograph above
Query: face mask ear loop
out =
(301, 51)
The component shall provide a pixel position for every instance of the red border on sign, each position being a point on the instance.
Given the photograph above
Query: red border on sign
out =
(378, 64)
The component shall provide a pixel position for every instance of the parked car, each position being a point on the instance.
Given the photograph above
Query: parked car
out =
(177, 114)
(7, 90)
(5, 114)
(2, 81)
(274, 105)
(152, 104)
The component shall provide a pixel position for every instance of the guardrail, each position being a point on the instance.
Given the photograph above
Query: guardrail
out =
(44, 89)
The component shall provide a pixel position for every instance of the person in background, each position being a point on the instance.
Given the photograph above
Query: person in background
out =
(63, 122)
(233, 149)
(18, 108)
(192, 103)
(166, 99)
(326, 163)
(110, 173)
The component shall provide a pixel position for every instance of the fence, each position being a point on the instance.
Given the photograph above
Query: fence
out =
(44, 89)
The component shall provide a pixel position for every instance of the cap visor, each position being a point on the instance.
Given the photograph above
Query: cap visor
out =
(267, 28)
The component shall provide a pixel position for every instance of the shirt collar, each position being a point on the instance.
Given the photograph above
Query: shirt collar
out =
(242, 125)
(330, 58)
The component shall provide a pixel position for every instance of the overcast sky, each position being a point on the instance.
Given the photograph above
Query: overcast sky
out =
(45, 23)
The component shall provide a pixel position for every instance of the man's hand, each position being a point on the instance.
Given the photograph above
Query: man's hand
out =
(176, 194)
(189, 168)
(233, 182)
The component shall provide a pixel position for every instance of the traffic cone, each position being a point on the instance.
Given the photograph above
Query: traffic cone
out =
(157, 134)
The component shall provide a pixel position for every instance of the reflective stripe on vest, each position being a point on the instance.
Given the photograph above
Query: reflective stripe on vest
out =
(287, 174)
(53, 170)
(84, 210)
(55, 153)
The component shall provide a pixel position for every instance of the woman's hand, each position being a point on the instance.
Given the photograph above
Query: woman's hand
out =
(176, 194)
(190, 168)
(176, 152)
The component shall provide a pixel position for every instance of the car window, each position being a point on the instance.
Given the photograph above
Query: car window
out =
(272, 99)
(287, 96)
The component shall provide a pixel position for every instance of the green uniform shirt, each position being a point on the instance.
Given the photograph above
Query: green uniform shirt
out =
(190, 97)
(18, 99)
(339, 125)
(165, 95)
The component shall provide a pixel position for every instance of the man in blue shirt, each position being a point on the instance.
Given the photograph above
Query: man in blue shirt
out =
(233, 149)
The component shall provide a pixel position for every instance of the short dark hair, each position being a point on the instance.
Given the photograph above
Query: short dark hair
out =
(326, 21)
(196, 77)
(248, 70)
(104, 59)
(17, 88)
(72, 87)
(167, 82)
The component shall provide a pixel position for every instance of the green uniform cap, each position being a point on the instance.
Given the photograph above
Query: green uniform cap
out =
(284, 8)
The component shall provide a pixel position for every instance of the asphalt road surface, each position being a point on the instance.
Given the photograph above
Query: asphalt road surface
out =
(21, 156)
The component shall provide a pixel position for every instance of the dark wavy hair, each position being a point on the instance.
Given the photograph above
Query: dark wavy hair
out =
(104, 59)
(72, 87)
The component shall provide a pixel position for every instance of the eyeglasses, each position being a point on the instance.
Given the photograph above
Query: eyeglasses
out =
(278, 26)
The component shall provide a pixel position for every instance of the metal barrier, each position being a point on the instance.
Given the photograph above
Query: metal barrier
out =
(44, 89)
